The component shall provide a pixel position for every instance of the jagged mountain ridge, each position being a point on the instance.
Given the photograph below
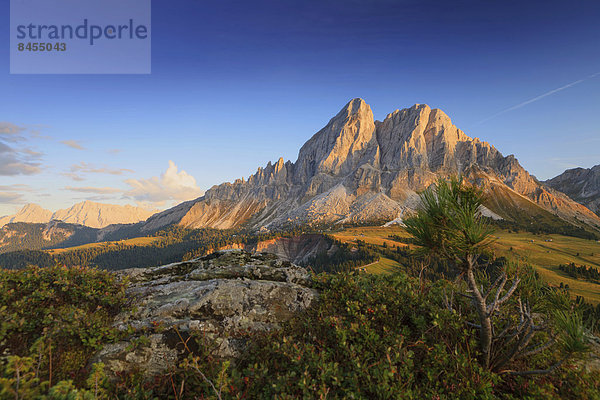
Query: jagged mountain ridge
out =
(580, 184)
(86, 213)
(357, 169)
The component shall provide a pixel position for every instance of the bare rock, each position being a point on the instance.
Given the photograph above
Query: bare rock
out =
(580, 184)
(357, 169)
(224, 296)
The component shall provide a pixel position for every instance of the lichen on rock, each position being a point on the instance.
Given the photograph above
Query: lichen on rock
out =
(224, 296)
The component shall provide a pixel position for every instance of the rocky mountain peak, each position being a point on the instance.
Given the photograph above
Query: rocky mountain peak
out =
(356, 169)
(580, 184)
(30, 212)
(355, 106)
(32, 208)
(339, 146)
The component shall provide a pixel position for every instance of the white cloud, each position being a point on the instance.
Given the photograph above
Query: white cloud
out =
(173, 185)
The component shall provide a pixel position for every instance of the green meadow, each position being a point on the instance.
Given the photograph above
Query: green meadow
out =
(544, 252)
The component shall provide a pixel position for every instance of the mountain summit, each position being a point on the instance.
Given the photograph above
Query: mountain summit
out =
(357, 169)
(29, 213)
(581, 184)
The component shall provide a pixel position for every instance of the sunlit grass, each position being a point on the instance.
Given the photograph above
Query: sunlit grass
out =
(140, 241)
(383, 266)
(524, 247)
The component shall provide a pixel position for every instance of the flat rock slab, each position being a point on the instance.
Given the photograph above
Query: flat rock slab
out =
(225, 296)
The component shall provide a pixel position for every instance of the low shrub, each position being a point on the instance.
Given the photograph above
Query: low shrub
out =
(53, 321)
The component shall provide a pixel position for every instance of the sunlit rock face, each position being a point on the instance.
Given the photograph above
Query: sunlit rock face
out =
(357, 169)
(225, 296)
(580, 184)
(86, 213)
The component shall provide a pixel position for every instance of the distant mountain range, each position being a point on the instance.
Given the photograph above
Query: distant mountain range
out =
(356, 170)
(86, 213)
(580, 184)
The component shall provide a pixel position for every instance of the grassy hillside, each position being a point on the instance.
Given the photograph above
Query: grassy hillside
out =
(114, 245)
(547, 255)
(22, 235)
(371, 234)
(383, 266)
(525, 247)
(519, 211)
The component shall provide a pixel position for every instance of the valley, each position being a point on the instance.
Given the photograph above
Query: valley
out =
(543, 251)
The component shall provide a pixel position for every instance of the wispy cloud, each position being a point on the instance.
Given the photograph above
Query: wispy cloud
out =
(17, 186)
(88, 168)
(95, 190)
(15, 162)
(536, 98)
(74, 144)
(11, 198)
(74, 176)
(76, 170)
(11, 132)
(13, 194)
(16, 157)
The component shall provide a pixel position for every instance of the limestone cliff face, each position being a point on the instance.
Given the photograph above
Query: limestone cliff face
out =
(347, 141)
(297, 249)
(580, 184)
(357, 169)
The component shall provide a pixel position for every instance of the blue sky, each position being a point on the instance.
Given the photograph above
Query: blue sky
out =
(237, 84)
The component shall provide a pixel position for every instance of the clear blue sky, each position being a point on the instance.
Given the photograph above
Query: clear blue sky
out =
(236, 84)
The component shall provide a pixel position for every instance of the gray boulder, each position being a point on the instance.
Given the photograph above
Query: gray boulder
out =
(226, 297)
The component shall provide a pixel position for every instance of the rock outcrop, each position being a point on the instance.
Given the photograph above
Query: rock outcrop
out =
(296, 249)
(357, 169)
(580, 184)
(223, 296)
